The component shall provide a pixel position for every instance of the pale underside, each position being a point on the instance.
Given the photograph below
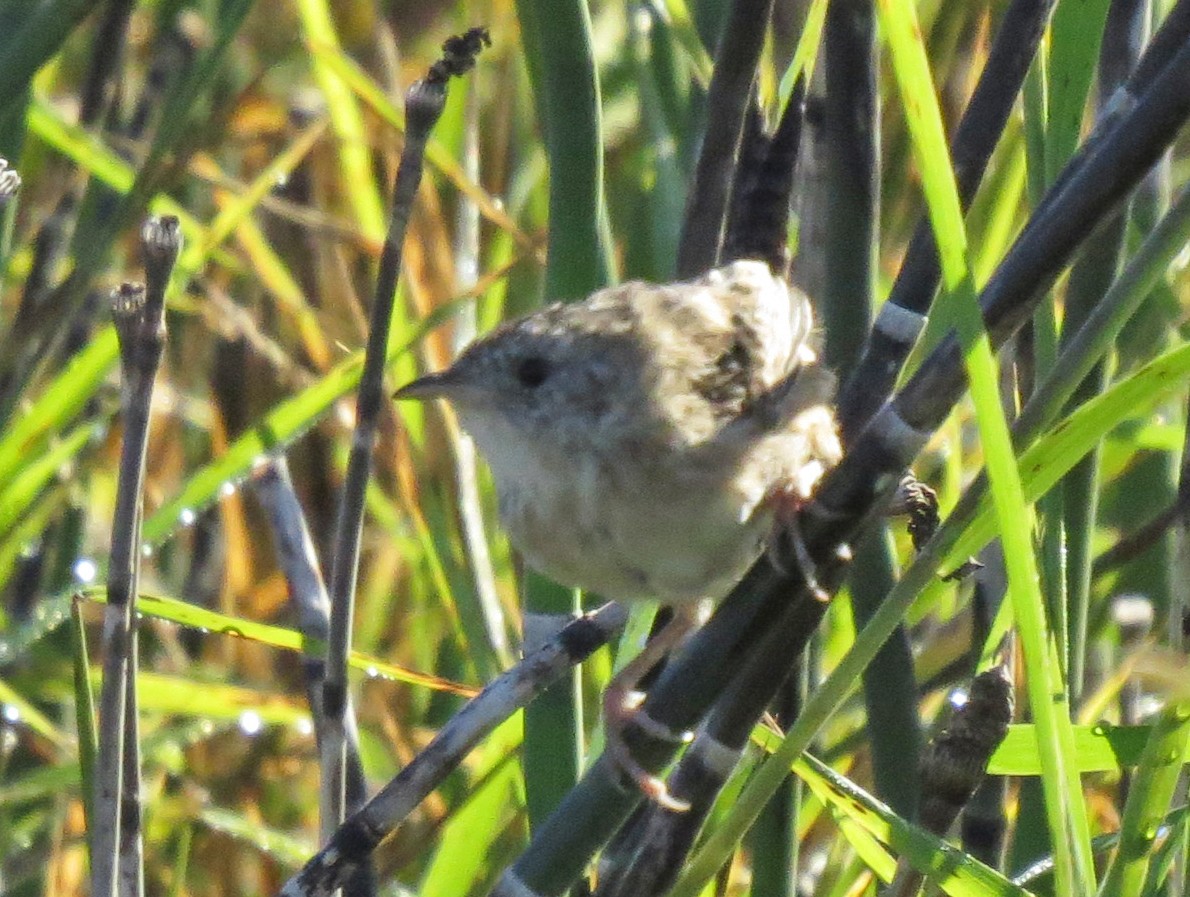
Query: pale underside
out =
(630, 532)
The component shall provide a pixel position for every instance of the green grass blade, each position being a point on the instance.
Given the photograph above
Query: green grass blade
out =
(62, 400)
(1066, 811)
(27, 486)
(1075, 34)
(1149, 797)
(279, 846)
(578, 261)
(355, 146)
(1099, 748)
(187, 614)
(38, 35)
(957, 874)
(18, 708)
(457, 868)
(160, 747)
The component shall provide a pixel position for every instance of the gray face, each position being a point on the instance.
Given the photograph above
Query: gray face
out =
(566, 375)
(561, 374)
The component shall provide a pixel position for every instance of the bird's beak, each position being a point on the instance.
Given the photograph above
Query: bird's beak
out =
(438, 385)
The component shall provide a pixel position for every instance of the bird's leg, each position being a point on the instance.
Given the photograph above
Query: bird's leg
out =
(787, 505)
(622, 700)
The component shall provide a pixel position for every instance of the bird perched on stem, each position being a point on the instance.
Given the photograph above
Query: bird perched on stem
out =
(644, 440)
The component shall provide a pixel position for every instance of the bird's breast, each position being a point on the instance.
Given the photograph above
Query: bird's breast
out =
(631, 531)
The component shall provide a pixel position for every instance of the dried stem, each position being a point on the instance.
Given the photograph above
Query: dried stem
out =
(471, 523)
(139, 314)
(298, 560)
(424, 102)
(354, 842)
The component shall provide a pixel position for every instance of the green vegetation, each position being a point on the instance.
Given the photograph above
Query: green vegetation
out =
(1053, 430)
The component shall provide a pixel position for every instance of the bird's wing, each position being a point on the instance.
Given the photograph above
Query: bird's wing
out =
(761, 339)
(723, 348)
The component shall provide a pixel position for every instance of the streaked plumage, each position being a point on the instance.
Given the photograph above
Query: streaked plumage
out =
(640, 439)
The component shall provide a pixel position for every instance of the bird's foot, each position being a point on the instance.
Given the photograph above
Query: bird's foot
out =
(622, 706)
(787, 529)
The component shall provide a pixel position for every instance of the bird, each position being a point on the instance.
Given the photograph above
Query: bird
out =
(645, 441)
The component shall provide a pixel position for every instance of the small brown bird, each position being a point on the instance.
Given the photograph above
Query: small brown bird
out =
(643, 440)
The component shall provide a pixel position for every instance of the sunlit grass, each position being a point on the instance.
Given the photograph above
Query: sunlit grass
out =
(277, 146)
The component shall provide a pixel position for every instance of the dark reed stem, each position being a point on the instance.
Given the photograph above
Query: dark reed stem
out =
(846, 300)
(851, 131)
(656, 841)
(727, 104)
(107, 55)
(298, 560)
(130, 872)
(353, 843)
(762, 196)
(1132, 545)
(902, 317)
(139, 314)
(424, 102)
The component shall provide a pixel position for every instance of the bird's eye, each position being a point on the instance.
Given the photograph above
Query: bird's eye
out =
(532, 371)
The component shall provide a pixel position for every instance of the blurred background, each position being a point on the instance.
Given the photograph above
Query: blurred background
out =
(273, 131)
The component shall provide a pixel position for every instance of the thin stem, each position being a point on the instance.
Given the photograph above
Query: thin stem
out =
(479, 560)
(298, 560)
(354, 842)
(727, 103)
(424, 102)
(139, 314)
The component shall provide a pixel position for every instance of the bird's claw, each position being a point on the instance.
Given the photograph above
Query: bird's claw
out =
(788, 506)
(619, 708)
